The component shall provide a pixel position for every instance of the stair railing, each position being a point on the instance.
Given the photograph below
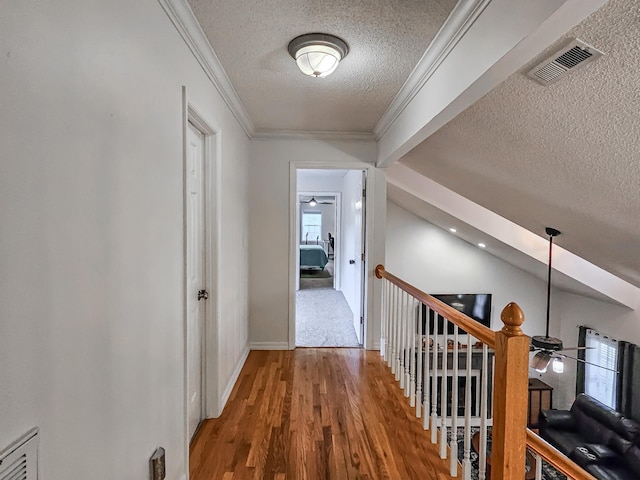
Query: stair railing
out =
(480, 386)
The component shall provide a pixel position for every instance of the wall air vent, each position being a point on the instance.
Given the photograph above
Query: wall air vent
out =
(570, 58)
(19, 461)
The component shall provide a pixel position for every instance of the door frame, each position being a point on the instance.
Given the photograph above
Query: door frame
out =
(369, 343)
(338, 219)
(212, 213)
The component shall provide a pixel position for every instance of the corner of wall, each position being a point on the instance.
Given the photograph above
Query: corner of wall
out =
(226, 392)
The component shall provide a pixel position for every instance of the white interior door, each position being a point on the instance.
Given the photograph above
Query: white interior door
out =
(362, 230)
(358, 253)
(196, 291)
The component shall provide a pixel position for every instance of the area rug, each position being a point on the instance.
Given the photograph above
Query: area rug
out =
(324, 319)
(317, 278)
(304, 273)
(311, 283)
(548, 472)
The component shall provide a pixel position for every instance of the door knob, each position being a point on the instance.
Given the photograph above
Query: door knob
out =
(351, 262)
(203, 294)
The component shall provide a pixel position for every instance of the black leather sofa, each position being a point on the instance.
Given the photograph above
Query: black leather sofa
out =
(596, 437)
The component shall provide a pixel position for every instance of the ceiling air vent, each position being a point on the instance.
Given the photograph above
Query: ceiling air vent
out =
(570, 58)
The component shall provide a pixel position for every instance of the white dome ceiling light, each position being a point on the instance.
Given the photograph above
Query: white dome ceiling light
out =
(317, 54)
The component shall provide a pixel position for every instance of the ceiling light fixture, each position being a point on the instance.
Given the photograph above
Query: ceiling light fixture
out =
(481, 245)
(312, 202)
(541, 361)
(452, 230)
(317, 54)
(557, 365)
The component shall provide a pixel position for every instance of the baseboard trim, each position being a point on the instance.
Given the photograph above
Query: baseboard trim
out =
(269, 346)
(234, 378)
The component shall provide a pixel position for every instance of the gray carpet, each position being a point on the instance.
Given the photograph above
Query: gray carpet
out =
(324, 319)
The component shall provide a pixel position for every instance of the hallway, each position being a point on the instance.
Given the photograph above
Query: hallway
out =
(315, 414)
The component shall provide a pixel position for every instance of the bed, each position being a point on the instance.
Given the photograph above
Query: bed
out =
(312, 257)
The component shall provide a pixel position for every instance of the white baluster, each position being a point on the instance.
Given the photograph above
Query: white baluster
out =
(427, 360)
(399, 366)
(538, 466)
(396, 331)
(453, 444)
(443, 394)
(387, 319)
(383, 318)
(388, 346)
(416, 343)
(484, 396)
(409, 351)
(466, 456)
(419, 367)
(403, 340)
(434, 383)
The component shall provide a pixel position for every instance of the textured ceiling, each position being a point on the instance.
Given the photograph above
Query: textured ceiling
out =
(386, 39)
(566, 156)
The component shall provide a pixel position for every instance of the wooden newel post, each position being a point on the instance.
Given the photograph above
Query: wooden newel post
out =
(509, 442)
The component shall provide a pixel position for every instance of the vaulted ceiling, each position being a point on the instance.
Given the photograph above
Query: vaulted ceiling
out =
(565, 155)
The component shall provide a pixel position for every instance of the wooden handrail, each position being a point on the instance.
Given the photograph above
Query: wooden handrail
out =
(511, 438)
(556, 458)
(482, 333)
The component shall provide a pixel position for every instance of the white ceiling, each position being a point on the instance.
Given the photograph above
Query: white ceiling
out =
(494, 247)
(566, 156)
(386, 40)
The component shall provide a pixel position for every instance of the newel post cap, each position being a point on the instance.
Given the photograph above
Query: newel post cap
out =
(379, 270)
(513, 317)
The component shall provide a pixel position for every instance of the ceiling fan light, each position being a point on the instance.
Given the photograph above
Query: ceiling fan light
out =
(557, 365)
(540, 361)
(317, 54)
(312, 202)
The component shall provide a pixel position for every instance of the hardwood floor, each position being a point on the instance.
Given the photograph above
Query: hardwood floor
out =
(315, 414)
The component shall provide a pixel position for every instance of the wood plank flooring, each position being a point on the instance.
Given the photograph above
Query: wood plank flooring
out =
(315, 414)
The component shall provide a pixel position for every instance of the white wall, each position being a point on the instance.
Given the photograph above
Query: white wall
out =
(351, 243)
(319, 182)
(269, 198)
(91, 246)
(615, 321)
(439, 262)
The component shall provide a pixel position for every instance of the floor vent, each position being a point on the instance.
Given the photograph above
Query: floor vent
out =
(570, 58)
(19, 461)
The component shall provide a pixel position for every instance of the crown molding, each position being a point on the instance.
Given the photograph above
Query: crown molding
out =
(183, 18)
(264, 134)
(462, 17)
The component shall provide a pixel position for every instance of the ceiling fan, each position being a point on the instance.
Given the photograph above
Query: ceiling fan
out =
(312, 202)
(549, 348)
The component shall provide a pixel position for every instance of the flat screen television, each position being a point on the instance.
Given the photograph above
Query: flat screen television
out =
(474, 305)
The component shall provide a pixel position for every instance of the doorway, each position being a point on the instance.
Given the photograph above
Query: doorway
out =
(196, 259)
(329, 241)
